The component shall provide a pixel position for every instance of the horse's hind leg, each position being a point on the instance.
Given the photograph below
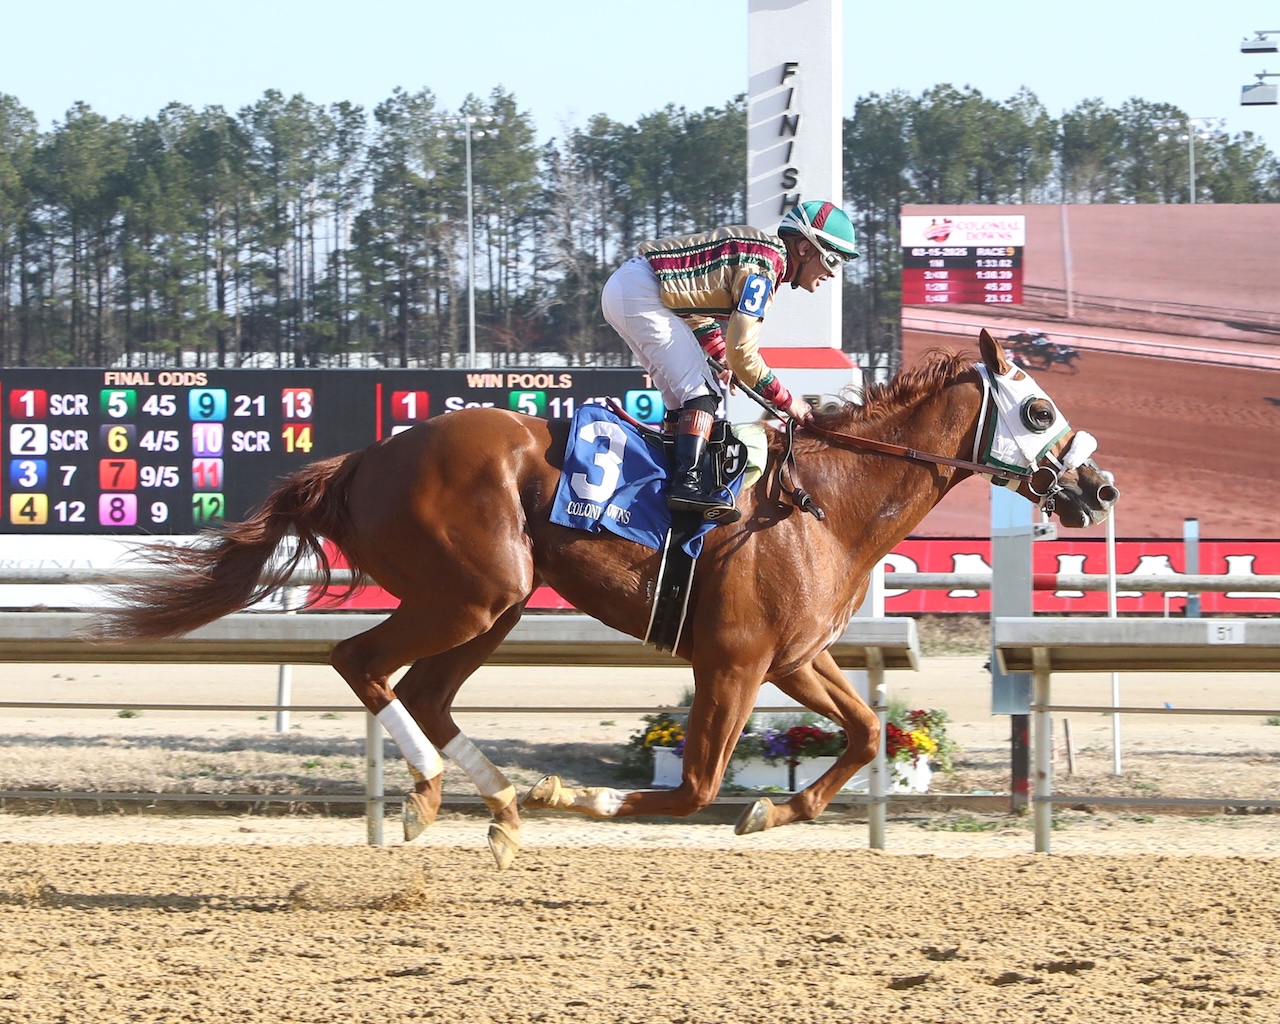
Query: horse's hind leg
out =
(428, 690)
(724, 694)
(822, 687)
(410, 633)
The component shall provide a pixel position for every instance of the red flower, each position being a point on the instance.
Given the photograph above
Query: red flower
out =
(897, 741)
(813, 741)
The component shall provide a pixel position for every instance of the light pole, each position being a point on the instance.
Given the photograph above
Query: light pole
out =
(1190, 129)
(464, 127)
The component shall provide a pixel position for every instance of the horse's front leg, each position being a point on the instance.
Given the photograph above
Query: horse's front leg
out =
(822, 687)
(722, 703)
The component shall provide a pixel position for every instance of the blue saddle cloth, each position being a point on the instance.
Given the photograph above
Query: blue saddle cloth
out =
(615, 480)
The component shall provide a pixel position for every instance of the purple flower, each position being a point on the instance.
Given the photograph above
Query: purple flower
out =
(777, 746)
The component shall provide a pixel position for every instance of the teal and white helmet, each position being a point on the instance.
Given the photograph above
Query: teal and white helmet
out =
(825, 225)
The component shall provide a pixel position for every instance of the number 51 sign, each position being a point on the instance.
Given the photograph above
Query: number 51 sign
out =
(1226, 631)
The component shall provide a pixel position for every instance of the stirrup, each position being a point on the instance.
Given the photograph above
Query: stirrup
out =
(711, 508)
(722, 515)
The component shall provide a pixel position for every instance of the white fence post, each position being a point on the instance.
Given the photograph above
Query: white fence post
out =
(373, 780)
(1042, 744)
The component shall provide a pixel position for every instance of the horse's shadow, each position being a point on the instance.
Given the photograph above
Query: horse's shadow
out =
(588, 763)
(281, 743)
(50, 898)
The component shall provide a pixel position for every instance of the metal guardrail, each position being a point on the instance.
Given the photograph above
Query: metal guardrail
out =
(1044, 645)
(1096, 644)
(260, 638)
(250, 638)
(1036, 645)
(1127, 582)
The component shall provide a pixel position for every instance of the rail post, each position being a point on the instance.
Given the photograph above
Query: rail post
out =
(1012, 530)
(1043, 797)
(877, 693)
(1191, 543)
(877, 791)
(373, 784)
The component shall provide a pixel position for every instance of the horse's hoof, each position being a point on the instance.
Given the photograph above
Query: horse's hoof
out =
(755, 818)
(504, 843)
(416, 814)
(547, 793)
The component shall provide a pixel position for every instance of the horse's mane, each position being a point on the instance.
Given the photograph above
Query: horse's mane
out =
(936, 368)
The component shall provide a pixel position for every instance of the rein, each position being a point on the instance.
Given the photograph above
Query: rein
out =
(902, 451)
(802, 498)
(1003, 474)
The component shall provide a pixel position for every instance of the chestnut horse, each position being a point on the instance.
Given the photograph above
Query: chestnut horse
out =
(451, 517)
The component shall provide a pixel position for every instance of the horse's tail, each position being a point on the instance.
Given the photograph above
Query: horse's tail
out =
(234, 566)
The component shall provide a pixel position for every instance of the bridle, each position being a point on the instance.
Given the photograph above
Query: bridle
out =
(1001, 475)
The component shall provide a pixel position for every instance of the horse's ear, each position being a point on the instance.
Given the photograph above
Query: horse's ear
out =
(992, 354)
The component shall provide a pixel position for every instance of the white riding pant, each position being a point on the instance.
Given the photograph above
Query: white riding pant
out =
(662, 341)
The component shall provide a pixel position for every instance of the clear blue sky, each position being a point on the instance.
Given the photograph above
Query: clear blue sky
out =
(568, 59)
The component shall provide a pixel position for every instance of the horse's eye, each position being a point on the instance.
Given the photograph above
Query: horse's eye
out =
(1038, 414)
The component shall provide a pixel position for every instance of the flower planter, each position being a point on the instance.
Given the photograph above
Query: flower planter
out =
(908, 777)
(808, 769)
(668, 767)
(757, 773)
(752, 773)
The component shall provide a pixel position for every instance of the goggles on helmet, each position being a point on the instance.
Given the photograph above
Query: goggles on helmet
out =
(831, 259)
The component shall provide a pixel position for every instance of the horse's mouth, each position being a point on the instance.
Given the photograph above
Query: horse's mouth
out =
(1077, 518)
(1077, 511)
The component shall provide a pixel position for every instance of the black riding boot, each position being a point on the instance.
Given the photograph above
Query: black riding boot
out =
(691, 487)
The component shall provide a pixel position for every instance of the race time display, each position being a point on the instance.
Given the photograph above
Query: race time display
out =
(950, 260)
(173, 451)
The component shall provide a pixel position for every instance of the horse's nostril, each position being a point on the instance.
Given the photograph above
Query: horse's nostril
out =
(1108, 495)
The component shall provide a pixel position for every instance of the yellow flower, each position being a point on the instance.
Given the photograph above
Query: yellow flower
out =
(921, 740)
(664, 734)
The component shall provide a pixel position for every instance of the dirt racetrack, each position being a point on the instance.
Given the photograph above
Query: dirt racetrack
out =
(274, 934)
(1184, 439)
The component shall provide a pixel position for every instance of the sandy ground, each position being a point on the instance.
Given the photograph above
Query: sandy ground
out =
(667, 933)
(139, 915)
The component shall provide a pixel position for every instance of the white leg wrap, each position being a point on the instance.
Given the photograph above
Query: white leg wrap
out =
(598, 801)
(491, 783)
(411, 740)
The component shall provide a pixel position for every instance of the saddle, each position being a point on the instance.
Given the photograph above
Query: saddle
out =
(625, 495)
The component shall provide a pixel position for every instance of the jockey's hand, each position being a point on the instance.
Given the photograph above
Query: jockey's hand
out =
(723, 374)
(800, 411)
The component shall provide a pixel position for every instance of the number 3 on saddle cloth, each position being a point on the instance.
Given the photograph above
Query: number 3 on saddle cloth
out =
(615, 478)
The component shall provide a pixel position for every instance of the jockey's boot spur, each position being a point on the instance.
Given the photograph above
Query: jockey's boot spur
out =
(692, 487)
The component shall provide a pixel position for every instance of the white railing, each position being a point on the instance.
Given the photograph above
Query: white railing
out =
(873, 645)
(1043, 646)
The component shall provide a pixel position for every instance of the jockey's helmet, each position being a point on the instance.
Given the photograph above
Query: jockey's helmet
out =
(824, 224)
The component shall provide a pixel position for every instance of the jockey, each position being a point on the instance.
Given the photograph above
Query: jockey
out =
(683, 299)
